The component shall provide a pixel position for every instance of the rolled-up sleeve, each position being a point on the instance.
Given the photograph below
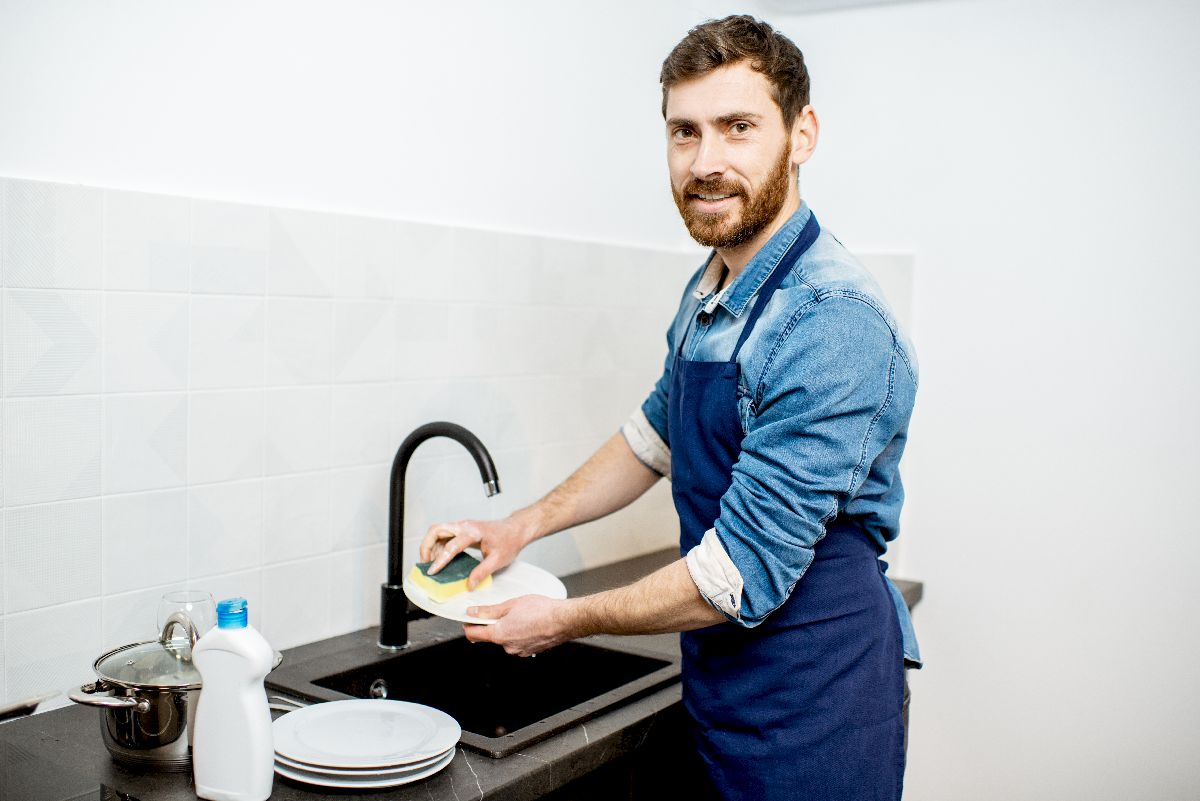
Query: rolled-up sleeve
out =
(646, 428)
(825, 405)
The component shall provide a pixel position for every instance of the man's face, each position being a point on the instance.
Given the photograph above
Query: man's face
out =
(729, 154)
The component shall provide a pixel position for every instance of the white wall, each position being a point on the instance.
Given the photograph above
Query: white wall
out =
(1039, 160)
(1036, 157)
(527, 116)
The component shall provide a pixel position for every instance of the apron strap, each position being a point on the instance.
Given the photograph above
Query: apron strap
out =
(797, 249)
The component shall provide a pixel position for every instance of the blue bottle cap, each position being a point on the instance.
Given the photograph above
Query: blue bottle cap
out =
(232, 613)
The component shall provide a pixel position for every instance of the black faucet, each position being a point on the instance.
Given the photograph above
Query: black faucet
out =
(393, 620)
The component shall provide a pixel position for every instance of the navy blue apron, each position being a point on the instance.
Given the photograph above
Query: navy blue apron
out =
(806, 705)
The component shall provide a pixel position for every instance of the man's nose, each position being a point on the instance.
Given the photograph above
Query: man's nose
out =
(711, 159)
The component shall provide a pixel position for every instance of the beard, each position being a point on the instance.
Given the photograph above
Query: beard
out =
(730, 229)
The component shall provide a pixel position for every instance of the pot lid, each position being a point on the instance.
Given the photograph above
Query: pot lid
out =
(153, 664)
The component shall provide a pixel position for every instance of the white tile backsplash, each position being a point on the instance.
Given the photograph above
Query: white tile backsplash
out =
(299, 341)
(52, 340)
(228, 336)
(145, 342)
(51, 554)
(51, 449)
(52, 235)
(145, 537)
(230, 244)
(51, 649)
(225, 436)
(296, 516)
(298, 429)
(147, 242)
(225, 528)
(304, 247)
(296, 605)
(145, 442)
(220, 389)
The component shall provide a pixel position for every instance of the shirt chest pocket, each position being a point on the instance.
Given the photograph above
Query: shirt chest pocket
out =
(745, 406)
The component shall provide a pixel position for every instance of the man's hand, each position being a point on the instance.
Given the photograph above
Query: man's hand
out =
(500, 541)
(527, 625)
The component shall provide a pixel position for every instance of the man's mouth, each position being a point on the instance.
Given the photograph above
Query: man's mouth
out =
(712, 202)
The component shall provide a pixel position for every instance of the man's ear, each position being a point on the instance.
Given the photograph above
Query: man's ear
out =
(806, 129)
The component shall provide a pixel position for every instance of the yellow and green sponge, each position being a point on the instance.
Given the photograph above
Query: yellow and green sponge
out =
(451, 580)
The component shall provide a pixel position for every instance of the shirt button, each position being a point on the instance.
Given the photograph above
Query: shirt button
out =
(704, 318)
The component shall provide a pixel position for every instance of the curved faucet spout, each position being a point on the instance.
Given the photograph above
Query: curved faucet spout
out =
(393, 624)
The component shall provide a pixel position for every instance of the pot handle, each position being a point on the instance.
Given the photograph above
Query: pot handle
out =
(108, 701)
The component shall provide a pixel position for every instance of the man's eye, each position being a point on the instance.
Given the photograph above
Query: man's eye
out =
(683, 133)
(741, 127)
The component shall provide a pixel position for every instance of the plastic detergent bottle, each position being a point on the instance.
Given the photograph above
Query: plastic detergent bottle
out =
(233, 757)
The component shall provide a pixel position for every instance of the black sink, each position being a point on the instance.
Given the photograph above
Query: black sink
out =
(503, 703)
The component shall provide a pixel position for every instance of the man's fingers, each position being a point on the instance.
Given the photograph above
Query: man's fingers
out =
(437, 534)
(478, 632)
(493, 612)
(482, 570)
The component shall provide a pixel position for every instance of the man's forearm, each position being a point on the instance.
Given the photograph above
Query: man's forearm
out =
(609, 480)
(666, 600)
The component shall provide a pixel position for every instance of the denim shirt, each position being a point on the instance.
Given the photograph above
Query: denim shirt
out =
(825, 392)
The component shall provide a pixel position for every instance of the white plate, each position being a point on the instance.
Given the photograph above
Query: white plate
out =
(519, 578)
(364, 733)
(364, 773)
(324, 780)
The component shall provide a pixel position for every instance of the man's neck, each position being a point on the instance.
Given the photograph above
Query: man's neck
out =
(736, 258)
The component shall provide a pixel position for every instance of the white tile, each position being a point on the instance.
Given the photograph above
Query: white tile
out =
(298, 429)
(230, 244)
(145, 442)
(51, 649)
(303, 253)
(368, 257)
(225, 525)
(425, 339)
(360, 506)
(354, 595)
(131, 616)
(147, 242)
(51, 554)
(145, 342)
(51, 235)
(51, 449)
(227, 342)
(2, 335)
(52, 342)
(297, 517)
(493, 266)
(299, 341)
(145, 540)
(244, 584)
(296, 602)
(427, 266)
(225, 436)
(363, 341)
(362, 424)
(3, 673)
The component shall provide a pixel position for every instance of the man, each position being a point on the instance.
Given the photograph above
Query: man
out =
(780, 417)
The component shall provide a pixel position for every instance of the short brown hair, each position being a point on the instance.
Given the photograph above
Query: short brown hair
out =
(722, 42)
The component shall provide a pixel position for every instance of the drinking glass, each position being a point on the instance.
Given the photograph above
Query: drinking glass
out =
(198, 605)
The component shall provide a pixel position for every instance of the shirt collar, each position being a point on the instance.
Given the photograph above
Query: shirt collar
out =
(737, 295)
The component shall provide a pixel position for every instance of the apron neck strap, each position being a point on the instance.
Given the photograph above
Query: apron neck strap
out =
(797, 249)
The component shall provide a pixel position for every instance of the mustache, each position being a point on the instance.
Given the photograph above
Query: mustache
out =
(716, 186)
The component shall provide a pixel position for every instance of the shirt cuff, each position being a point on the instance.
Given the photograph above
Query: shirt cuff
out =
(646, 444)
(716, 576)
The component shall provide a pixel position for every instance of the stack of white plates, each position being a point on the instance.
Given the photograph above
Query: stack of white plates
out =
(366, 744)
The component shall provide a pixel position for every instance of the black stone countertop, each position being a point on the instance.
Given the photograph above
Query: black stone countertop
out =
(59, 755)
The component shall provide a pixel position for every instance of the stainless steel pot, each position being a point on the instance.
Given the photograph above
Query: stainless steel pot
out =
(147, 692)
